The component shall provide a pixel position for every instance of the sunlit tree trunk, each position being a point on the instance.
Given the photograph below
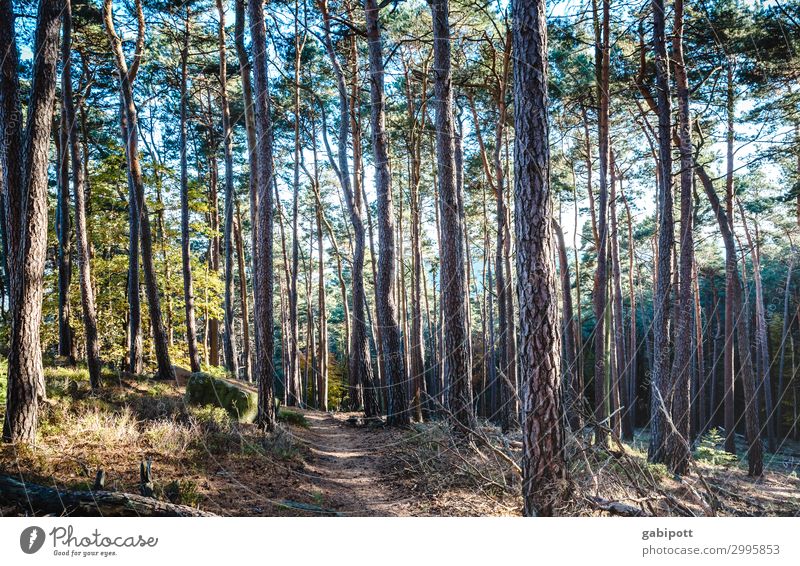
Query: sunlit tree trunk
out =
(544, 471)
(231, 350)
(263, 316)
(126, 76)
(81, 232)
(188, 286)
(24, 174)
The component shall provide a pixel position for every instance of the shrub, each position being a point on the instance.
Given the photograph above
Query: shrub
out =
(292, 418)
(709, 450)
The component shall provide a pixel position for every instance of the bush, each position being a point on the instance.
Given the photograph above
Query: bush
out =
(292, 418)
(709, 450)
(183, 492)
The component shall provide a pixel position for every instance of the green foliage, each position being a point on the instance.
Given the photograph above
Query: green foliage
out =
(292, 418)
(183, 492)
(709, 450)
(210, 418)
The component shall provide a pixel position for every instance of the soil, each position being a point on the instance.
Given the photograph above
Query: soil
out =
(346, 468)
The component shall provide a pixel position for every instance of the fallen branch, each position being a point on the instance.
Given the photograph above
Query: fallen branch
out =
(37, 498)
(616, 507)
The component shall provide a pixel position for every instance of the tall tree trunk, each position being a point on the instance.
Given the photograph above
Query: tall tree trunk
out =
(601, 393)
(293, 378)
(25, 177)
(361, 391)
(395, 374)
(457, 363)
(188, 286)
(126, 76)
(81, 231)
(730, 269)
(661, 383)
(509, 409)
(252, 152)
(231, 350)
(632, 331)
(677, 446)
(761, 341)
(263, 316)
(620, 355)
(544, 471)
(740, 312)
(213, 241)
(135, 338)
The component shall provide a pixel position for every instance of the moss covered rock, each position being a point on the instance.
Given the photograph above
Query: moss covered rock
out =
(203, 389)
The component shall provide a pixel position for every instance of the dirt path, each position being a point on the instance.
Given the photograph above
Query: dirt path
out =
(345, 468)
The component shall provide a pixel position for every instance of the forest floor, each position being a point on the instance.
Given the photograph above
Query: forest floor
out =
(323, 464)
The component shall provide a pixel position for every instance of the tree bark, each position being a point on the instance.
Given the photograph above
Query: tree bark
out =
(739, 310)
(457, 363)
(395, 374)
(231, 349)
(25, 177)
(544, 469)
(263, 315)
(252, 154)
(126, 76)
(599, 299)
(661, 383)
(361, 391)
(81, 231)
(572, 386)
(677, 445)
(188, 285)
(66, 345)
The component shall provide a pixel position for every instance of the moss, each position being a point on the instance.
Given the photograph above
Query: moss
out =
(204, 389)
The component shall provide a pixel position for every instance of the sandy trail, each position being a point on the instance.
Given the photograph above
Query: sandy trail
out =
(345, 470)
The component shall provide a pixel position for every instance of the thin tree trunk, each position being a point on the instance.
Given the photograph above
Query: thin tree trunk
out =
(782, 355)
(231, 350)
(66, 346)
(621, 358)
(601, 392)
(571, 387)
(247, 374)
(252, 151)
(81, 232)
(188, 286)
(361, 391)
(740, 311)
(126, 76)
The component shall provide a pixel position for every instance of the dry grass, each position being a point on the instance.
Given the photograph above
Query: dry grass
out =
(199, 455)
(454, 477)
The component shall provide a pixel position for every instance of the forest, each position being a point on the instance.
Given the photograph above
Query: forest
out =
(420, 258)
